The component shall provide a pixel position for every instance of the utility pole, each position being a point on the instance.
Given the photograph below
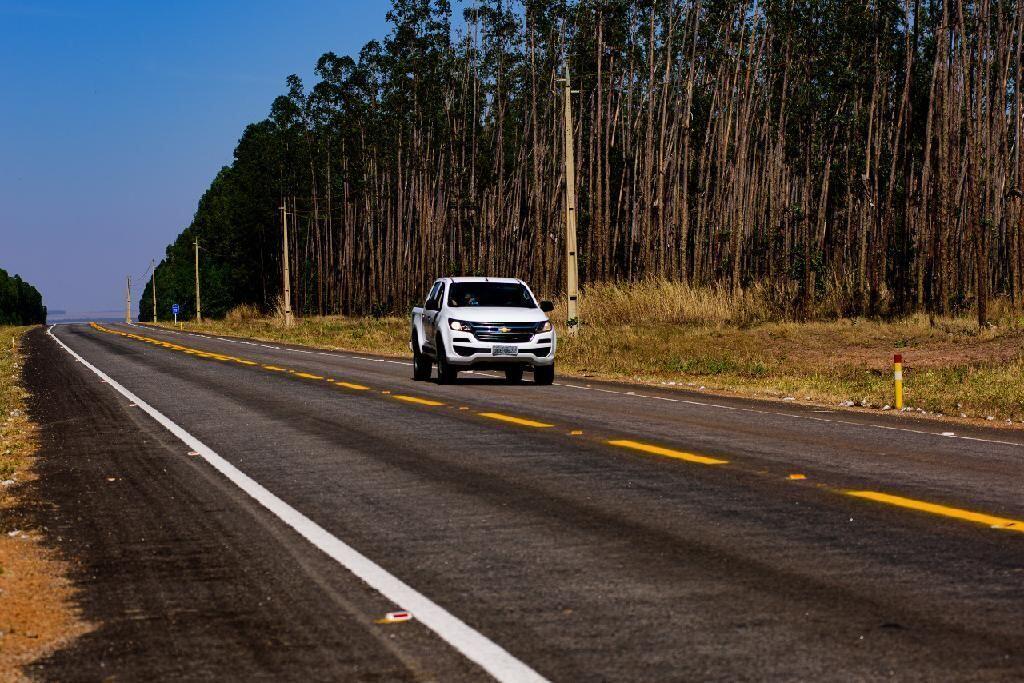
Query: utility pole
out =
(154, 290)
(287, 278)
(199, 308)
(571, 261)
(128, 302)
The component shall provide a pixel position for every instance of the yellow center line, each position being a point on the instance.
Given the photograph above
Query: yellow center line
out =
(349, 385)
(222, 357)
(416, 399)
(942, 510)
(515, 420)
(667, 452)
(876, 496)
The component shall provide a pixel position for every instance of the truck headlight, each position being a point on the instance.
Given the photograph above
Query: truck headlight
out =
(544, 326)
(459, 326)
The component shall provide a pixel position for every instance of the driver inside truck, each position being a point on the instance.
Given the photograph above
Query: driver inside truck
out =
(467, 300)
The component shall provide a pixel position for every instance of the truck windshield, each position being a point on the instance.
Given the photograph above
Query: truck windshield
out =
(501, 294)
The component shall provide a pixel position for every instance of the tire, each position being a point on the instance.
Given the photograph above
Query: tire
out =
(544, 374)
(514, 375)
(446, 374)
(421, 364)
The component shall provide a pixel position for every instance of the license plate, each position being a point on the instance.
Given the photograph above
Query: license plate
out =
(504, 350)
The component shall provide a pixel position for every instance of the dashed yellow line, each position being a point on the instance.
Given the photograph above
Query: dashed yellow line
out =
(417, 399)
(515, 420)
(199, 353)
(876, 496)
(667, 452)
(941, 510)
(350, 385)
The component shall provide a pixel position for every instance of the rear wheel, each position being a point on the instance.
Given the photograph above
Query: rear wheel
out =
(544, 374)
(446, 374)
(514, 375)
(421, 365)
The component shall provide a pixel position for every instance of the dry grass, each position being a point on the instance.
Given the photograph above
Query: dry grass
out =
(946, 369)
(17, 434)
(36, 599)
(677, 303)
(661, 332)
(388, 336)
(675, 335)
(660, 301)
(243, 313)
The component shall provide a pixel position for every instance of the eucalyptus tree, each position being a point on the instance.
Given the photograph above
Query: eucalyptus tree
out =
(851, 158)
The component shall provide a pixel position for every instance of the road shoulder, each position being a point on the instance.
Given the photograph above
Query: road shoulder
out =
(183, 577)
(37, 601)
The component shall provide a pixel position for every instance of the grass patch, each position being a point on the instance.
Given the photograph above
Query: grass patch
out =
(669, 333)
(389, 336)
(17, 434)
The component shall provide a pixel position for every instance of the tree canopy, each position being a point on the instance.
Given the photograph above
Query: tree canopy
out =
(20, 302)
(854, 157)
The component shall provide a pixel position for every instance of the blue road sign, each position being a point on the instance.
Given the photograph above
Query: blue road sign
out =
(175, 308)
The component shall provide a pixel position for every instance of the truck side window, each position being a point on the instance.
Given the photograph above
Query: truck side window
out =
(432, 298)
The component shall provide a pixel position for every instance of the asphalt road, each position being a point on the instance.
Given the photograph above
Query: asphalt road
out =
(585, 531)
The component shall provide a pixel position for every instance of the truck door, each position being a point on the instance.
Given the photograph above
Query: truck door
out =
(431, 309)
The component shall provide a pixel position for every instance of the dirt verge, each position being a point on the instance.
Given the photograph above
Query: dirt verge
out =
(37, 601)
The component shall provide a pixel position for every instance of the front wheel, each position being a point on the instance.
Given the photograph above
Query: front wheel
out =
(446, 374)
(544, 374)
(421, 364)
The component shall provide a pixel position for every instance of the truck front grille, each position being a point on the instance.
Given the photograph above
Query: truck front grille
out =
(509, 333)
(506, 338)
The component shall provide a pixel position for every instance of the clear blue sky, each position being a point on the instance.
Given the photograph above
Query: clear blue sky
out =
(116, 116)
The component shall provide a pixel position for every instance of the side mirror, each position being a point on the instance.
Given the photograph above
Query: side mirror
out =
(547, 306)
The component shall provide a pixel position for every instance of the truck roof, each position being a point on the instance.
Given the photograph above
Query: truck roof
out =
(483, 279)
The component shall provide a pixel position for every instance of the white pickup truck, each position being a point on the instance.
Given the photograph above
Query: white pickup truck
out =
(481, 322)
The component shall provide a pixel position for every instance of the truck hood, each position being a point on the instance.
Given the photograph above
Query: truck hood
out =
(496, 314)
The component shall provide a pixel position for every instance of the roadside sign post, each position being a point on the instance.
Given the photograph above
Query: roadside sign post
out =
(897, 366)
(199, 307)
(571, 259)
(153, 266)
(288, 320)
(174, 309)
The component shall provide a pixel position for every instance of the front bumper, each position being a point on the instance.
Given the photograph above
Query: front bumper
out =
(466, 350)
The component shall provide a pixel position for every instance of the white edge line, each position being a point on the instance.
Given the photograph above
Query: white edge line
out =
(476, 647)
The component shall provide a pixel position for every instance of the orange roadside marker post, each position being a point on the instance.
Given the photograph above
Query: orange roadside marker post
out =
(897, 365)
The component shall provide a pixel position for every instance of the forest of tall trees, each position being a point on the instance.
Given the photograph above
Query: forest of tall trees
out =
(20, 302)
(861, 153)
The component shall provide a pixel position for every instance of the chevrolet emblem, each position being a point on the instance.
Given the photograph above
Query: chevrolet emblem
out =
(504, 329)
